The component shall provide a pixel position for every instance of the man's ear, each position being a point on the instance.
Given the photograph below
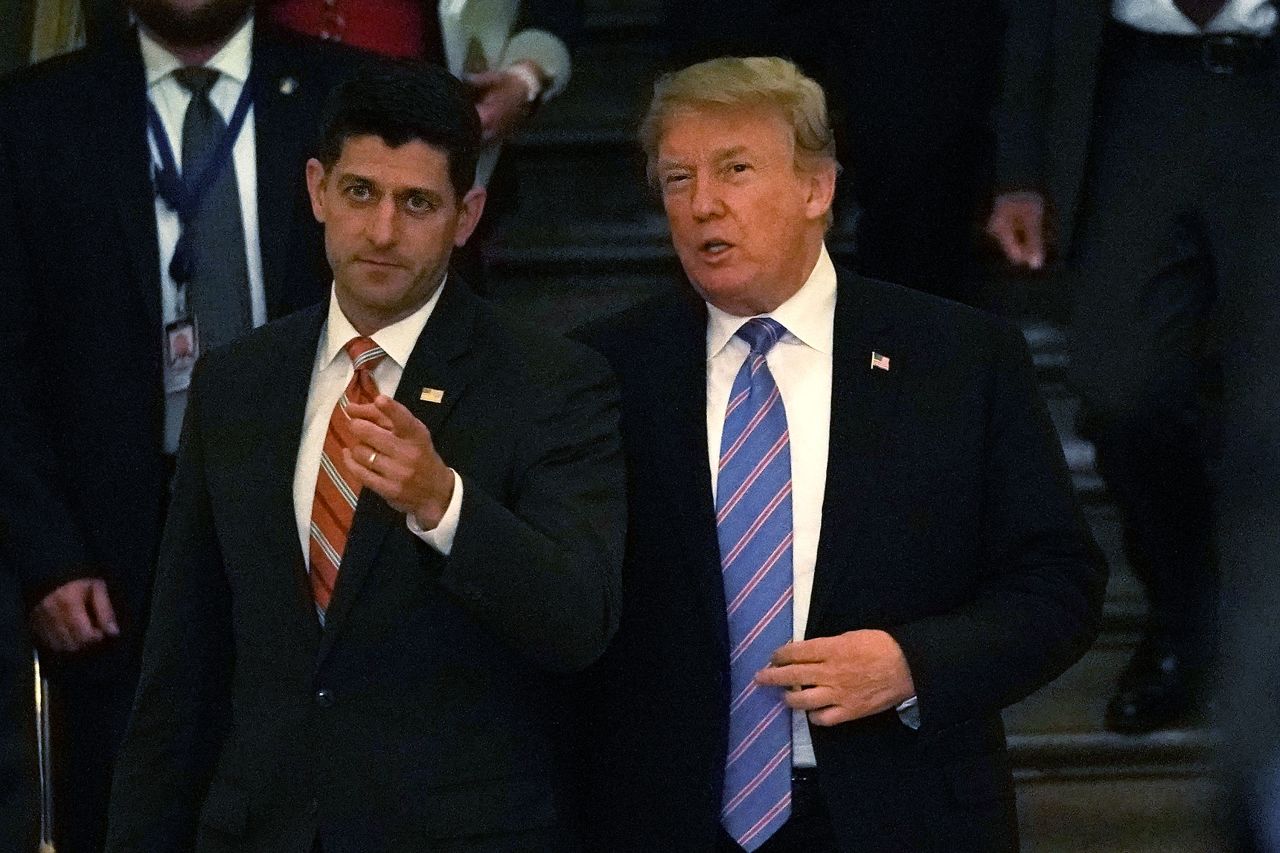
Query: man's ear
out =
(470, 210)
(315, 187)
(822, 189)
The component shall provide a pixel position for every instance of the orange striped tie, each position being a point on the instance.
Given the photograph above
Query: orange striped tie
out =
(336, 487)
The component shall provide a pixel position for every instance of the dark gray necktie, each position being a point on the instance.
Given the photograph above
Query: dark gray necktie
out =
(218, 293)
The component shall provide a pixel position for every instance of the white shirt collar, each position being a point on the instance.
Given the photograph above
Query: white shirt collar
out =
(808, 316)
(233, 59)
(397, 340)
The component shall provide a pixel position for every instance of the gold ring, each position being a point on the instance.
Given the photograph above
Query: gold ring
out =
(372, 456)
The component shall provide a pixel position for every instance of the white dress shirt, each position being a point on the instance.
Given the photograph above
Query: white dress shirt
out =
(1255, 17)
(329, 377)
(170, 100)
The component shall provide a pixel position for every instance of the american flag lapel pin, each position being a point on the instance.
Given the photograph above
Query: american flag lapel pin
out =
(879, 361)
(431, 395)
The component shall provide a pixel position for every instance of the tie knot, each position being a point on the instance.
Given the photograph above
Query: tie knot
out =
(761, 333)
(364, 353)
(197, 79)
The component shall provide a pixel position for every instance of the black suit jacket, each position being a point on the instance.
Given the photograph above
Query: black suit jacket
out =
(948, 521)
(82, 478)
(424, 712)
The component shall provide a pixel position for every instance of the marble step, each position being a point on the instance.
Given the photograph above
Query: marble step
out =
(1170, 814)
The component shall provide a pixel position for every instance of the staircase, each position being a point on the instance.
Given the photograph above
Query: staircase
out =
(589, 239)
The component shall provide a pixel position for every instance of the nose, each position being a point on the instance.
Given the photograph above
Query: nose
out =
(705, 201)
(380, 224)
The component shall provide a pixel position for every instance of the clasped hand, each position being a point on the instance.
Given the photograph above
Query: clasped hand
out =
(74, 616)
(842, 678)
(502, 101)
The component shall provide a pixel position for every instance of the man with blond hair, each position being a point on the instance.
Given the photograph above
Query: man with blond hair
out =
(852, 538)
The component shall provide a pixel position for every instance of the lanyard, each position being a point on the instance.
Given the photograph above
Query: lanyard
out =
(184, 193)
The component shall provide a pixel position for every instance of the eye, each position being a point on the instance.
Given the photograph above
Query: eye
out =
(739, 168)
(674, 180)
(418, 203)
(359, 192)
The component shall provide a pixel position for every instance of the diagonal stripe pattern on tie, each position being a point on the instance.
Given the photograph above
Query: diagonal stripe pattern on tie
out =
(754, 526)
(337, 490)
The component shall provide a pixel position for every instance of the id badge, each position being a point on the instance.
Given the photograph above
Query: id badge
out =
(181, 349)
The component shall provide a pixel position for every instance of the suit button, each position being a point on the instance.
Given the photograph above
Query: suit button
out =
(313, 807)
(324, 698)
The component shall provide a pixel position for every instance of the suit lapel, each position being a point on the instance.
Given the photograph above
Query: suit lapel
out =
(119, 123)
(438, 362)
(864, 402)
(277, 457)
(679, 377)
(277, 115)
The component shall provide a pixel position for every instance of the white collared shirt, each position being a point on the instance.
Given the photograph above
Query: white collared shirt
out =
(801, 366)
(329, 377)
(170, 100)
(1256, 17)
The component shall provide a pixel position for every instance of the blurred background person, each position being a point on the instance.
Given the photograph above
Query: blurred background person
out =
(1138, 145)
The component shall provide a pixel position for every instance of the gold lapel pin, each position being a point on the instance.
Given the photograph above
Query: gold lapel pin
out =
(431, 395)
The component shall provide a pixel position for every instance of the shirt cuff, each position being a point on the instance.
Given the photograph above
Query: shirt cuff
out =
(543, 48)
(909, 713)
(441, 536)
(528, 78)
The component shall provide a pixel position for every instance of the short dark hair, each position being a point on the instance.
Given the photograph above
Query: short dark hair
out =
(399, 102)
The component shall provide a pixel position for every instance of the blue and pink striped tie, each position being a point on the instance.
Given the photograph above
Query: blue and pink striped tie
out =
(754, 526)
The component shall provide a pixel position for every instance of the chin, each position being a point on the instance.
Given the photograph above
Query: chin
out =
(728, 293)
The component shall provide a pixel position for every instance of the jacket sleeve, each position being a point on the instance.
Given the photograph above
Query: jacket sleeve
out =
(182, 709)
(1021, 109)
(1038, 602)
(40, 536)
(543, 569)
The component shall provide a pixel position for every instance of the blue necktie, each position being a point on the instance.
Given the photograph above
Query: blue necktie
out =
(754, 526)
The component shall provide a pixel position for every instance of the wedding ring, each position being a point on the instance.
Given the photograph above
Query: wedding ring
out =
(372, 456)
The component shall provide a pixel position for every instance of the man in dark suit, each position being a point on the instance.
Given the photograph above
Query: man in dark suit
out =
(824, 458)
(395, 689)
(89, 414)
(1146, 135)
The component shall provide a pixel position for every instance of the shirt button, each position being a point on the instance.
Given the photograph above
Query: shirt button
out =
(324, 698)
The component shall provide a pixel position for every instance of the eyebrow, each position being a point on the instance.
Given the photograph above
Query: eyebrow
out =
(355, 177)
(717, 156)
(431, 195)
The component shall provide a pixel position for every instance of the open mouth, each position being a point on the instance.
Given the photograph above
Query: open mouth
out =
(715, 247)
